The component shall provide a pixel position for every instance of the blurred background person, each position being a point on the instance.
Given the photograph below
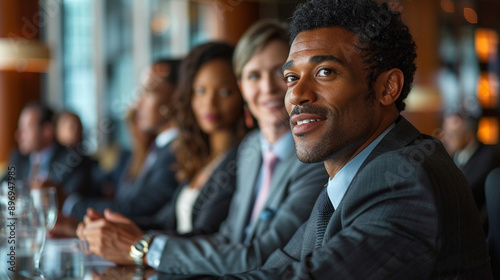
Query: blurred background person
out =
(41, 161)
(155, 183)
(275, 192)
(69, 133)
(492, 192)
(69, 130)
(130, 161)
(475, 160)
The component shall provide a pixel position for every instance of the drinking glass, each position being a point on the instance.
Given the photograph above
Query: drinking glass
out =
(63, 259)
(45, 200)
(25, 235)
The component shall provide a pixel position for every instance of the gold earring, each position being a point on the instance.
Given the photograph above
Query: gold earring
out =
(164, 111)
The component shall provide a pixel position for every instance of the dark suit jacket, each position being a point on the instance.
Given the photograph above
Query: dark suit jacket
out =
(294, 189)
(210, 208)
(145, 196)
(68, 168)
(476, 169)
(408, 214)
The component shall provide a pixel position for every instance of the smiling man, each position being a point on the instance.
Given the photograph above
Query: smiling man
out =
(396, 207)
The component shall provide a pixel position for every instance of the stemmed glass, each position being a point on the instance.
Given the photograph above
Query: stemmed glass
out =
(30, 236)
(45, 202)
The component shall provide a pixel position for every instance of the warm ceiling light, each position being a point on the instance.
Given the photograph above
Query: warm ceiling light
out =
(448, 6)
(488, 130)
(23, 55)
(486, 41)
(487, 90)
(470, 15)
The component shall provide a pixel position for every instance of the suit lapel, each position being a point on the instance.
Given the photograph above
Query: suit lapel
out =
(249, 164)
(400, 136)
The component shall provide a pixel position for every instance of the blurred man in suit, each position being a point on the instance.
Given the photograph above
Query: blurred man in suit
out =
(396, 206)
(475, 159)
(41, 161)
(155, 184)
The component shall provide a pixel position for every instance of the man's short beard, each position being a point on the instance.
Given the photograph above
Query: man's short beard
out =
(318, 153)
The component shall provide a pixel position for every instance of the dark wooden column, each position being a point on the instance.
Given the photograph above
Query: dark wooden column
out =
(18, 19)
(234, 17)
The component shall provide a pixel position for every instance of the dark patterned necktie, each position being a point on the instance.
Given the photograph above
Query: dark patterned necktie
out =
(325, 211)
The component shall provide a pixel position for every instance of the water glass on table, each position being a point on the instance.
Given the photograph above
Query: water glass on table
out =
(46, 201)
(25, 240)
(63, 259)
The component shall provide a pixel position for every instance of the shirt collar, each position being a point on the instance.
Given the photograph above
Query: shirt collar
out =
(462, 157)
(43, 156)
(281, 147)
(338, 185)
(165, 137)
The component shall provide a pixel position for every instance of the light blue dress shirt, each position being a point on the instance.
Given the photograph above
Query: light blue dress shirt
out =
(338, 185)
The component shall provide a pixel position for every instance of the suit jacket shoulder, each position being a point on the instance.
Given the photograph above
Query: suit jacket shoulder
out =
(72, 169)
(210, 208)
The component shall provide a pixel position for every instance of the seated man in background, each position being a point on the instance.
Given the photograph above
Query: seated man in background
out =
(396, 206)
(156, 183)
(41, 161)
(475, 159)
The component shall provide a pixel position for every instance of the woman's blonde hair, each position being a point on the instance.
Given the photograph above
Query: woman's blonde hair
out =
(255, 38)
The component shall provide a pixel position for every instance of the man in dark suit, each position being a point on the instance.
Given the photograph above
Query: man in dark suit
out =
(396, 207)
(474, 158)
(156, 182)
(40, 160)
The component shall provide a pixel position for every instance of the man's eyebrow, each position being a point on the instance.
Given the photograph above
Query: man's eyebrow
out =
(313, 59)
(287, 65)
(321, 58)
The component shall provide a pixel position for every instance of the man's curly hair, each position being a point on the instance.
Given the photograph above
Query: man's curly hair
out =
(386, 42)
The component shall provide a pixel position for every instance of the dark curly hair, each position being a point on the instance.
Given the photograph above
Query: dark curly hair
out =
(192, 146)
(386, 42)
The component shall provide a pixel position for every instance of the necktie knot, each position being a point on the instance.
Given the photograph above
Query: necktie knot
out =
(270, 160)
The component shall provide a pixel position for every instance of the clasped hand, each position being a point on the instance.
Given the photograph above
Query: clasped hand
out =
(109, 235)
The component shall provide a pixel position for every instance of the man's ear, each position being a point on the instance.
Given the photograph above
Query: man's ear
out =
(390, 83)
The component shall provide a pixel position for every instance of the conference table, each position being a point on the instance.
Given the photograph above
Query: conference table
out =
(67, 261)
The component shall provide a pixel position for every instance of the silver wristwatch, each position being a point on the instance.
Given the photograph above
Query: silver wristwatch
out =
(140, 248)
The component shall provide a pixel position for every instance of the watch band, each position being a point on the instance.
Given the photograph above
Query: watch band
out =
(140, 248)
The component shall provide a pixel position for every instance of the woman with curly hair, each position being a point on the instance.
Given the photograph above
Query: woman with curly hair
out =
(209, 110)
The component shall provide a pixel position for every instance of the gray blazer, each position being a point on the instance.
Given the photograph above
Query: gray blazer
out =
(408, 214)
(295, 187)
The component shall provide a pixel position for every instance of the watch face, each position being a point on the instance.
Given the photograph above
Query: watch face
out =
(139, 249)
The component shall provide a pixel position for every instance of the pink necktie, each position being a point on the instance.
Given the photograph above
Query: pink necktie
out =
(270, 160)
